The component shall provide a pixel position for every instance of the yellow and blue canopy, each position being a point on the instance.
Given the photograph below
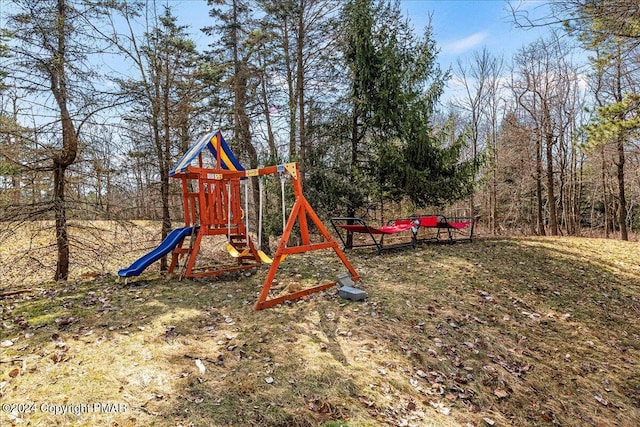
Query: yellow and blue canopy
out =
(212, 141)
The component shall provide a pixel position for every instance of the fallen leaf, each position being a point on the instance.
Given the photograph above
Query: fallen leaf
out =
(501, 393)
(601, 400)
(548, 418)
(441, 408)
(421, 373)
(201, 366)
(63, 322)
(56, 357)
(193, 399)
(14, 372)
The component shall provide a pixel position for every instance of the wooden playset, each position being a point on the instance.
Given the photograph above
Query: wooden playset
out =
(211, 199)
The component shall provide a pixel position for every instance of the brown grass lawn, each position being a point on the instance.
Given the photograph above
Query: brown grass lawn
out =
(504, 332)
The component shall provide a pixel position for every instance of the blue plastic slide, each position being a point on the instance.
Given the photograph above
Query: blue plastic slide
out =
(167, 245)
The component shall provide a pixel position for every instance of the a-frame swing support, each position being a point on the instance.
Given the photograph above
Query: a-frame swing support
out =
(216, 206)
(299, 213)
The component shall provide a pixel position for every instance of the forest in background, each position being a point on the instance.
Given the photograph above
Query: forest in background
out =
(98, 100)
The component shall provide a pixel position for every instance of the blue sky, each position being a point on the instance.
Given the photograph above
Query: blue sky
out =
(464, 26)
(460, 26)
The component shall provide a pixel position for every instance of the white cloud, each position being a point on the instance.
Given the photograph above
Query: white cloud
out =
(466, 43)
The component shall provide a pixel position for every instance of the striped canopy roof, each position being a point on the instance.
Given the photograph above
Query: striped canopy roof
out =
(211, 140)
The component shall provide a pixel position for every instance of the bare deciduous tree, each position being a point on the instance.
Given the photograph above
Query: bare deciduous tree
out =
(50, 58)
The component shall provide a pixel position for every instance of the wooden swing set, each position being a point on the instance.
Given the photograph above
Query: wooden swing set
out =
(212, 207)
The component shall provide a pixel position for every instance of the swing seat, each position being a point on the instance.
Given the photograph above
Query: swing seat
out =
(235, 253)
(358, 225)
(457, 228)
(264, 257)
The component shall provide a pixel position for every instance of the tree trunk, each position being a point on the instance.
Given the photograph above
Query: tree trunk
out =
(553, 217)
(494, 189)
(573, 199)
(624, 234)
(62, 238)
(164, 184)
(271, 141)
(605, 199)
(300, 91)
(290, 90)
(67, 155)
(619, 96)
(165, 159)
(241, 121)
(540, 216)
(355, 138)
